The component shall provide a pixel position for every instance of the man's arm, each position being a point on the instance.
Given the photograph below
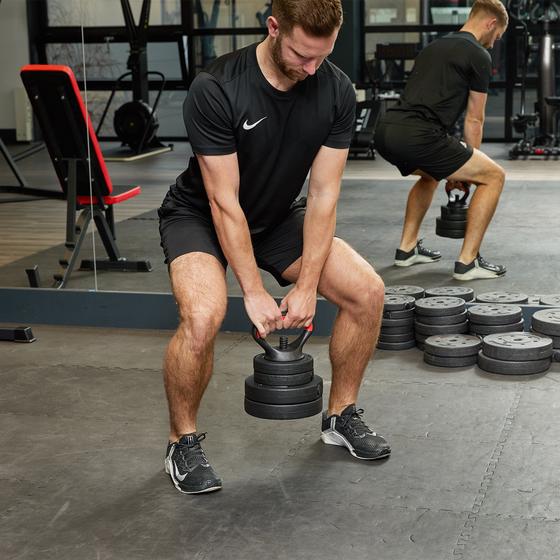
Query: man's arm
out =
(318, 232)
(474, 118)
(221, 180)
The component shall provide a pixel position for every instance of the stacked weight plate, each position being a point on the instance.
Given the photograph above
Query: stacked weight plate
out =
(502, 297)
(452, 350)
(453, 221)
(515, 354)
(397, 327)
(415, 291)
(462, 292)
(546, 322)
(439, 315)
(552, 300)
(494, 319)
(283, 385)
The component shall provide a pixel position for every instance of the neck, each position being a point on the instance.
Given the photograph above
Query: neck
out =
(274, 76)
(473, 30)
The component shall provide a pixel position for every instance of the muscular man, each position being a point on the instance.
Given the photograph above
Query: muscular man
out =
(450, 75)
(259, 120)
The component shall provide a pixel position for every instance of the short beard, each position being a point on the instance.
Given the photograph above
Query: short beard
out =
(276, 53)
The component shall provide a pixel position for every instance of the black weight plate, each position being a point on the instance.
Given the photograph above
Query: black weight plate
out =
(450, 233)
(389, 323)
(396, 345)
(553, 300)
(405, 337)
(555, 339)
(502, 297)
(505, 367)
(447, 361)
(430, 330)
(414, 291)
(264, 365)
(403, 314)
(495, 314)
(284, 411)
(283, 395)
(457, 213)
(451, 224)
(484, 330)
(440, 306)
(398, 330)
(466, 294)
(518, 347)
(547, 321)
(453, 345)
(290, 380)
(443, 319)
(396, 302)
(420, 346)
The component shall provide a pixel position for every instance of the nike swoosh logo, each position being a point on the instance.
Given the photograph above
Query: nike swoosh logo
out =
(180, 477)
(247, 126)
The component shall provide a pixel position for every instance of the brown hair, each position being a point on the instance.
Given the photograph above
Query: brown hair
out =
(490, 7)
(320, 18)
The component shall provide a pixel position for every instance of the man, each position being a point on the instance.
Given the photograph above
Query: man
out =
(259, 120)
(450, 75)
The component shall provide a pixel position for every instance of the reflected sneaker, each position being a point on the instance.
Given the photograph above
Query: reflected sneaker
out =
(478, 269)
(350, 431)
(188, 467)
(419, 254)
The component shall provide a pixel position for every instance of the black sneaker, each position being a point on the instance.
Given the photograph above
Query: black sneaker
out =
(478, 269)
(419, 254)
(188, 467)
(351, 431)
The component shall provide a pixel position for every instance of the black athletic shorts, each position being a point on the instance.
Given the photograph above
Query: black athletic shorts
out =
(187, 230)
(421, 146)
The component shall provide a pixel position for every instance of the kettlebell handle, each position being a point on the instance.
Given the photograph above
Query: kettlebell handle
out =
(465, 189)
(292, 352)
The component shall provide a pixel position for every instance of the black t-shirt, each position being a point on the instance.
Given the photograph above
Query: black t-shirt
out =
(444, 72)
(232, 108)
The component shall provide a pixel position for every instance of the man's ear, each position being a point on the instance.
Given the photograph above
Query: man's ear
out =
(273, 26)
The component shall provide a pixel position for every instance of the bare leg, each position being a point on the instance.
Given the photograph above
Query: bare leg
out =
(198, 282)
(419, 201)
(359, 296)
(489, 178)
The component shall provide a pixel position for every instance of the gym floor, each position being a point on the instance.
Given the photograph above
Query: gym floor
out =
(473, 473)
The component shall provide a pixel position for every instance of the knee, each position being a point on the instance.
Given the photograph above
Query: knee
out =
(199, 329)
(498, 176)
(370, 294)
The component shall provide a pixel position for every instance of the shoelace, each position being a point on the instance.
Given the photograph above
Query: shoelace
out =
(193, 455)
(484, 262)
(355, 422)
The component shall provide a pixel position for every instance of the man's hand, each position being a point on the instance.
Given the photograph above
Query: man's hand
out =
(263, 312)
(300, 305)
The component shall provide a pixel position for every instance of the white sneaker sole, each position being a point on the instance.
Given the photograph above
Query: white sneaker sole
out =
(331, 437)
(169, 470)
(477, 274)
(416, 259)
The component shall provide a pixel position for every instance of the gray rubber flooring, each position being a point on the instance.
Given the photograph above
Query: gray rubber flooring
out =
(523, 236)
(83, 427)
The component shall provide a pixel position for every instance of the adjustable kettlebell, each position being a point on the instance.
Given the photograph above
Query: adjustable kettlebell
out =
(453, 221)
(283, 385)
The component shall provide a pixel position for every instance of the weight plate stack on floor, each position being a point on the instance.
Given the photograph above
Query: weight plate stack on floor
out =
(495, 319)
(439, 315)
(464, 293)
(502, 297)
(546, 322)
(397, 327)
(415, 291)
(453, 221)
(283, 385)
(452, 350)
(553, 300)
(515, 354)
